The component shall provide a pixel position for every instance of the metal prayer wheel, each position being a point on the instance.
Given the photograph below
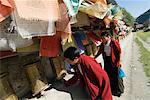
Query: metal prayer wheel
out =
(38, 83)
(58, 67)
(6, 91)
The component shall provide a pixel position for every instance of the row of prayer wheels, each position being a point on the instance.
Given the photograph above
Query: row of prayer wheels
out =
(35, 76)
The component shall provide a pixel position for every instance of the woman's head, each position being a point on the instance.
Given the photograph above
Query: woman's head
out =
(105, 37)
(71, 55)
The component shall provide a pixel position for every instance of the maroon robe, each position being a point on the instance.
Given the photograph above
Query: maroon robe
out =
(94, 78)
(112, 65)
(115, 52)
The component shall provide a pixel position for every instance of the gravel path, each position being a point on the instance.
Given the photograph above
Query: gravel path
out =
(136, 82)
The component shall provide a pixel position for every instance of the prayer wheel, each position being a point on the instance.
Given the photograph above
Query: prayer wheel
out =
(3, 68)
(37, 83)
(58, 67)
(6, 91)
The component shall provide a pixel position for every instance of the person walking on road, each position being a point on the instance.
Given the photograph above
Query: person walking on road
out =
(111, 52)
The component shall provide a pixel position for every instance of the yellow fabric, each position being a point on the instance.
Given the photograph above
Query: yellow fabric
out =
(118, 15)
(69, 43)
(97, 9)
(102, 1)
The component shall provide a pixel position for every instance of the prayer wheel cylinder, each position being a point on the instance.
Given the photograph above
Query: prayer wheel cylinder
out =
(3, 67)
(58, 67)
(33, 74)
(6, 91)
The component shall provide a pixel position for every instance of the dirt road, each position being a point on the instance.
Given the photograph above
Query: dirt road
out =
(136, 82)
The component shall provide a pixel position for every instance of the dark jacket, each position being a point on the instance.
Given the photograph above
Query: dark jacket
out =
(115, 52)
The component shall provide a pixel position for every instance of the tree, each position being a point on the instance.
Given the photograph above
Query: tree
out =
(128, 18)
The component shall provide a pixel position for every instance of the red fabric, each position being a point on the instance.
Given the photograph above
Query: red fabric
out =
(6, 7)
(115, 52)
(50, 45)
(93, 37)
(94, 78)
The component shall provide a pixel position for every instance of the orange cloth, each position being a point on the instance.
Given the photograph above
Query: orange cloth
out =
(47, 10)
(107, 20)
(6, 7)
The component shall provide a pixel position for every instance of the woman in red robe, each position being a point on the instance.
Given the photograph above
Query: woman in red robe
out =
(90, 74)
(111, 52)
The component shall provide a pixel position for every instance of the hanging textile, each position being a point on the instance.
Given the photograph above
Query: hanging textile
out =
(95, 39)
(46, 10)
(6, 7)
(3, 34)
(115, 9)
(4, 44)
(107, 20)
(28, 29)
(118, 15)
(73, 6)
(97, 9)
(73, 20)
(50, 45)
(65, 37)
(63, 23)
(16, 41)
(82, 20)
(9, 38)
(34, 47)
(69, 44)
(79, 37)
(101, 1)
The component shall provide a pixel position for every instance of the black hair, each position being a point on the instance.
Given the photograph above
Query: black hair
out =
(71, 53)
(105, 34)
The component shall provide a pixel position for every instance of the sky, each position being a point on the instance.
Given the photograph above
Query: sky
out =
(135, 7)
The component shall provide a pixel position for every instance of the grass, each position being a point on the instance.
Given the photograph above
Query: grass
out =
(144, 58)
(143, 35)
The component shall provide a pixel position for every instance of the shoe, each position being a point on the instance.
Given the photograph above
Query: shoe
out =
(115, 93)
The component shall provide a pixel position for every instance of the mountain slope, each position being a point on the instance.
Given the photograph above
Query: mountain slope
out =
(143, 17)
